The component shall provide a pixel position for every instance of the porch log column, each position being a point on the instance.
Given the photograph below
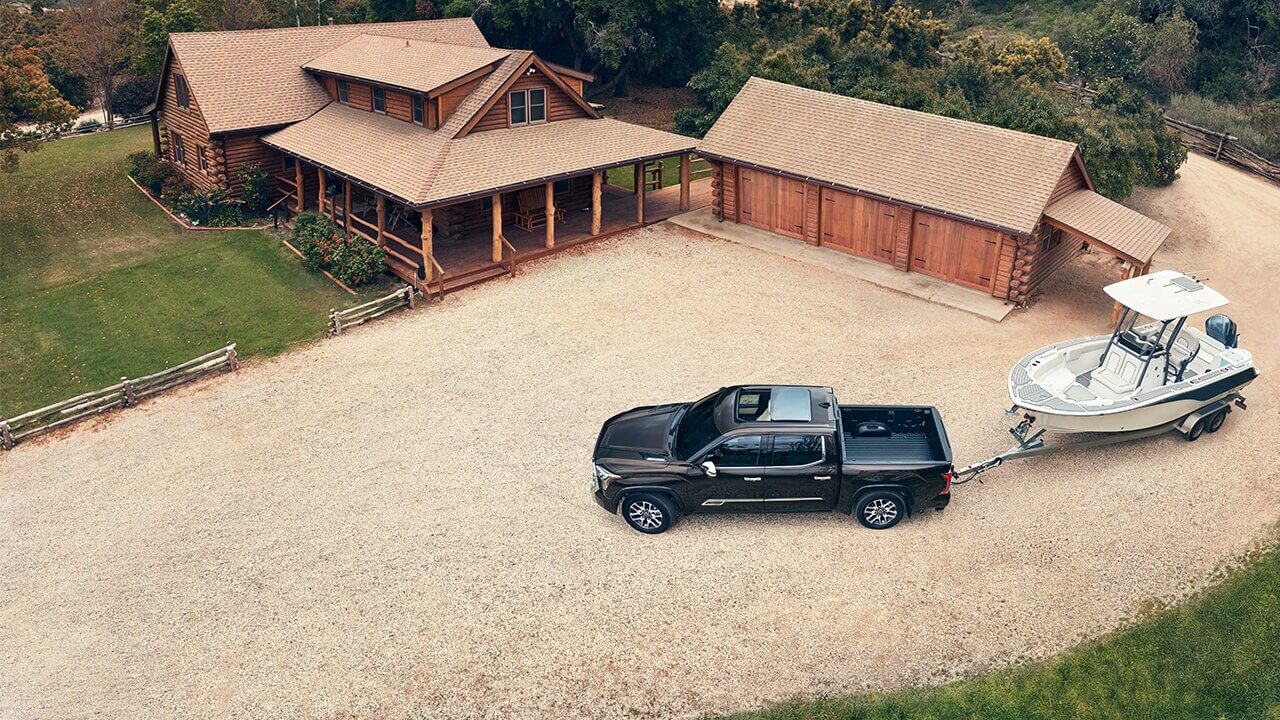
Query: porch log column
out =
(551, 215)
(639, 193)
(596, 182)
(382, 219)
(155, 133)
(427, 238)
(320, 190)
(346, 207)
(497, 227)
(302, 186)
(1129, 272)
(684, 182)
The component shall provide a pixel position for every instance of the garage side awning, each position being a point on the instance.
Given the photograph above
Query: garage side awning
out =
(1109, 226)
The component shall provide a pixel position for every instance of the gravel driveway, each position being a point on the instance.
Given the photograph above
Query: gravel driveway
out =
(395, 523)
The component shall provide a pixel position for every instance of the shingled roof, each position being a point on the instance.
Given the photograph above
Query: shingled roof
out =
(249, 79)
(1129, 233)
(997, 177)
(414, 65)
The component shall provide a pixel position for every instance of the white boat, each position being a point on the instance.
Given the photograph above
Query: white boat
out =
(1154, 369)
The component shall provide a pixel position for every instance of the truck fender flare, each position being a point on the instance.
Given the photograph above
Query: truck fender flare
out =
(658, 489)
(893, 485)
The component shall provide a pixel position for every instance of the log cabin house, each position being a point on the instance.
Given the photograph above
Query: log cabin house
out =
(456, 156)
(984, 207)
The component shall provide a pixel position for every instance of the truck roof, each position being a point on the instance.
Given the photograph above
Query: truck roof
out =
(776, 405)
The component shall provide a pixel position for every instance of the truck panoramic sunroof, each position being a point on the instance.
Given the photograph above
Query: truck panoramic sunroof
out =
(790, 405)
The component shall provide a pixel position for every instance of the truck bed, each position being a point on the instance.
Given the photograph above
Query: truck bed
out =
(916, 436)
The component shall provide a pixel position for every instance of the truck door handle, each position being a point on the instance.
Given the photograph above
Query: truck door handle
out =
(751, 479)
(821, 477)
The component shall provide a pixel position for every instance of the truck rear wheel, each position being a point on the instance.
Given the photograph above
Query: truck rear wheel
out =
(880, 509)
(650, 513)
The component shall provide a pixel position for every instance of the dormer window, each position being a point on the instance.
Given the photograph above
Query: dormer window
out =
(182, 91)
(417, 109)
(343, 92)
(527, 107)
(379, 99)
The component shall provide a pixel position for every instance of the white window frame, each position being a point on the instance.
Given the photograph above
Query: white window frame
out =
(374, 91)
(179, 150)
(528, 106)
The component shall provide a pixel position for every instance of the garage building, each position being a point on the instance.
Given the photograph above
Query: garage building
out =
(991, 209)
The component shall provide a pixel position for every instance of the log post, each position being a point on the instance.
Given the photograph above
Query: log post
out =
(551, 215)
(346, 206)
(320, 190)
(427, 238)
(497, 227)
(1129, 272)
(640, 193)
(155, 133)
(684, 182)
(382, 219)
(302, 186)
(596, 181)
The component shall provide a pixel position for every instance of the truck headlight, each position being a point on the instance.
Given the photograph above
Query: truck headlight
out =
(604, 478)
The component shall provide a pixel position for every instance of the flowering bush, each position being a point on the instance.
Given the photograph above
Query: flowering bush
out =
(353, 260)
(356, 261)
(313, 235)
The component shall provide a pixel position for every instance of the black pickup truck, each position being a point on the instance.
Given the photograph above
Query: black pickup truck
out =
(772, 449)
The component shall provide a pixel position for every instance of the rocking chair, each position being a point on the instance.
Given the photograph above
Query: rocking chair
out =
(531, 209)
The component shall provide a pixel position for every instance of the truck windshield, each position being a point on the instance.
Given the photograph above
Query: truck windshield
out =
(697, 428)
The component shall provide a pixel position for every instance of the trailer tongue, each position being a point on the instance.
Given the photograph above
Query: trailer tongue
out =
(1031, 443)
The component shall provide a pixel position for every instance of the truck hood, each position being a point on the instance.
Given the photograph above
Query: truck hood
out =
(639, 434)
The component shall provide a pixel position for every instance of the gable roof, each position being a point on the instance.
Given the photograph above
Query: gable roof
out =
(248, 79)
(491, 96)
(413, 65)
(1127, 232)
(990, 175)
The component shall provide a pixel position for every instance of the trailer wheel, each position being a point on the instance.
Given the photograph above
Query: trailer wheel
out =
(1196, 430)
(1216, 421)
(880, 509)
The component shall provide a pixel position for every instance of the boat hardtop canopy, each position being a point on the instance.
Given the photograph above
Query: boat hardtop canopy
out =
(1165, 295)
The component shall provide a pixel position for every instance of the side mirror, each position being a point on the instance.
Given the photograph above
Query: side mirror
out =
(709, 468)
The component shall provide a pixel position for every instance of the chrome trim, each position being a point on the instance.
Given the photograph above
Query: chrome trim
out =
(821, 477)
(795, 499)
(822, 461)
(717, 502)
(752, 479)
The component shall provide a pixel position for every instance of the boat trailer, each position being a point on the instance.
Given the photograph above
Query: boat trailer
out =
(1030, 444)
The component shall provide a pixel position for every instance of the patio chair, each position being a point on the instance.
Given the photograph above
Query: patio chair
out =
(531, 209)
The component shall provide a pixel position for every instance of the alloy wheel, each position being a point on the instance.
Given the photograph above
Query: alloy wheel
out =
(645, 514)
(880, 512)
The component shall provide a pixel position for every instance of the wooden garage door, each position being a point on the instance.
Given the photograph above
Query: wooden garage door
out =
(955, 251)
(858, 225)
(772, 202)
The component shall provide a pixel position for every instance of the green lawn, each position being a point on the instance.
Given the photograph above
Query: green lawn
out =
(624, 177)
(1216, 657)
(96, 282)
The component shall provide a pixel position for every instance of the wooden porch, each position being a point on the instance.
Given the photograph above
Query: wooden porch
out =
(488, 237)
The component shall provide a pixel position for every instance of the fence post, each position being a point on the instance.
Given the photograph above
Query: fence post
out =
(335, 323)
(6, 437)
(409, 289)
(130, 398)
(233, 362)
(1222, 140)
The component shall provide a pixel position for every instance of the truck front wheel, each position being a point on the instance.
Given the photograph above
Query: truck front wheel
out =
(649, 513)
(880, 509)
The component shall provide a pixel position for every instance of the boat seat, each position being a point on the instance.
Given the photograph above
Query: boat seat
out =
(1119, 372)
(1183, 350)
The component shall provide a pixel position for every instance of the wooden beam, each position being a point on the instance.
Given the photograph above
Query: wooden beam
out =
(427, 247)
(551, 215)
(346, 207)
(320, 190)
(684, 181)
(497, 227)
(382, 220)
(155, 133)
(302, 185)
(640, 193)
(596, 181)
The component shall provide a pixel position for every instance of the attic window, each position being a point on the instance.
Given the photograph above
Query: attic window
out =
(343, 92)
(379, 99)
(417, 109)
(526, 107)
(181, 90)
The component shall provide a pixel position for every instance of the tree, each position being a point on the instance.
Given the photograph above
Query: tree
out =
(30, 109)
(97, 42)
(1170, 50)
(1104, 44)
(153, 33)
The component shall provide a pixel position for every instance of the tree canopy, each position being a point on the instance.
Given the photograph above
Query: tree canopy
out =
(31, 110)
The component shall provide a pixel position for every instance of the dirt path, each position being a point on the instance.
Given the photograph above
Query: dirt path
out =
(396, 523)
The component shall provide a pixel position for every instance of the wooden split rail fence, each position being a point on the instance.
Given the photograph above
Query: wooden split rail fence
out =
(1220, 146)
(126, 393)
(340, 320)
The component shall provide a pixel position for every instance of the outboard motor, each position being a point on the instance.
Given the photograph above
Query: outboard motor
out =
(1221, 328)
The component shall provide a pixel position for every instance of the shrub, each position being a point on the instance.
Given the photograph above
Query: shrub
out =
(89, 124)
(356, 261)
(257, 187)
(132, 95)
(313, 235)
(156, 175)
(202, 207)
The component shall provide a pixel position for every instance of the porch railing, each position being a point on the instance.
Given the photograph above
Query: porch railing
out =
(511, 251)
(439, 276)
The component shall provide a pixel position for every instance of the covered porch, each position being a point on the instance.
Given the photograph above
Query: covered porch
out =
(449, 246)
